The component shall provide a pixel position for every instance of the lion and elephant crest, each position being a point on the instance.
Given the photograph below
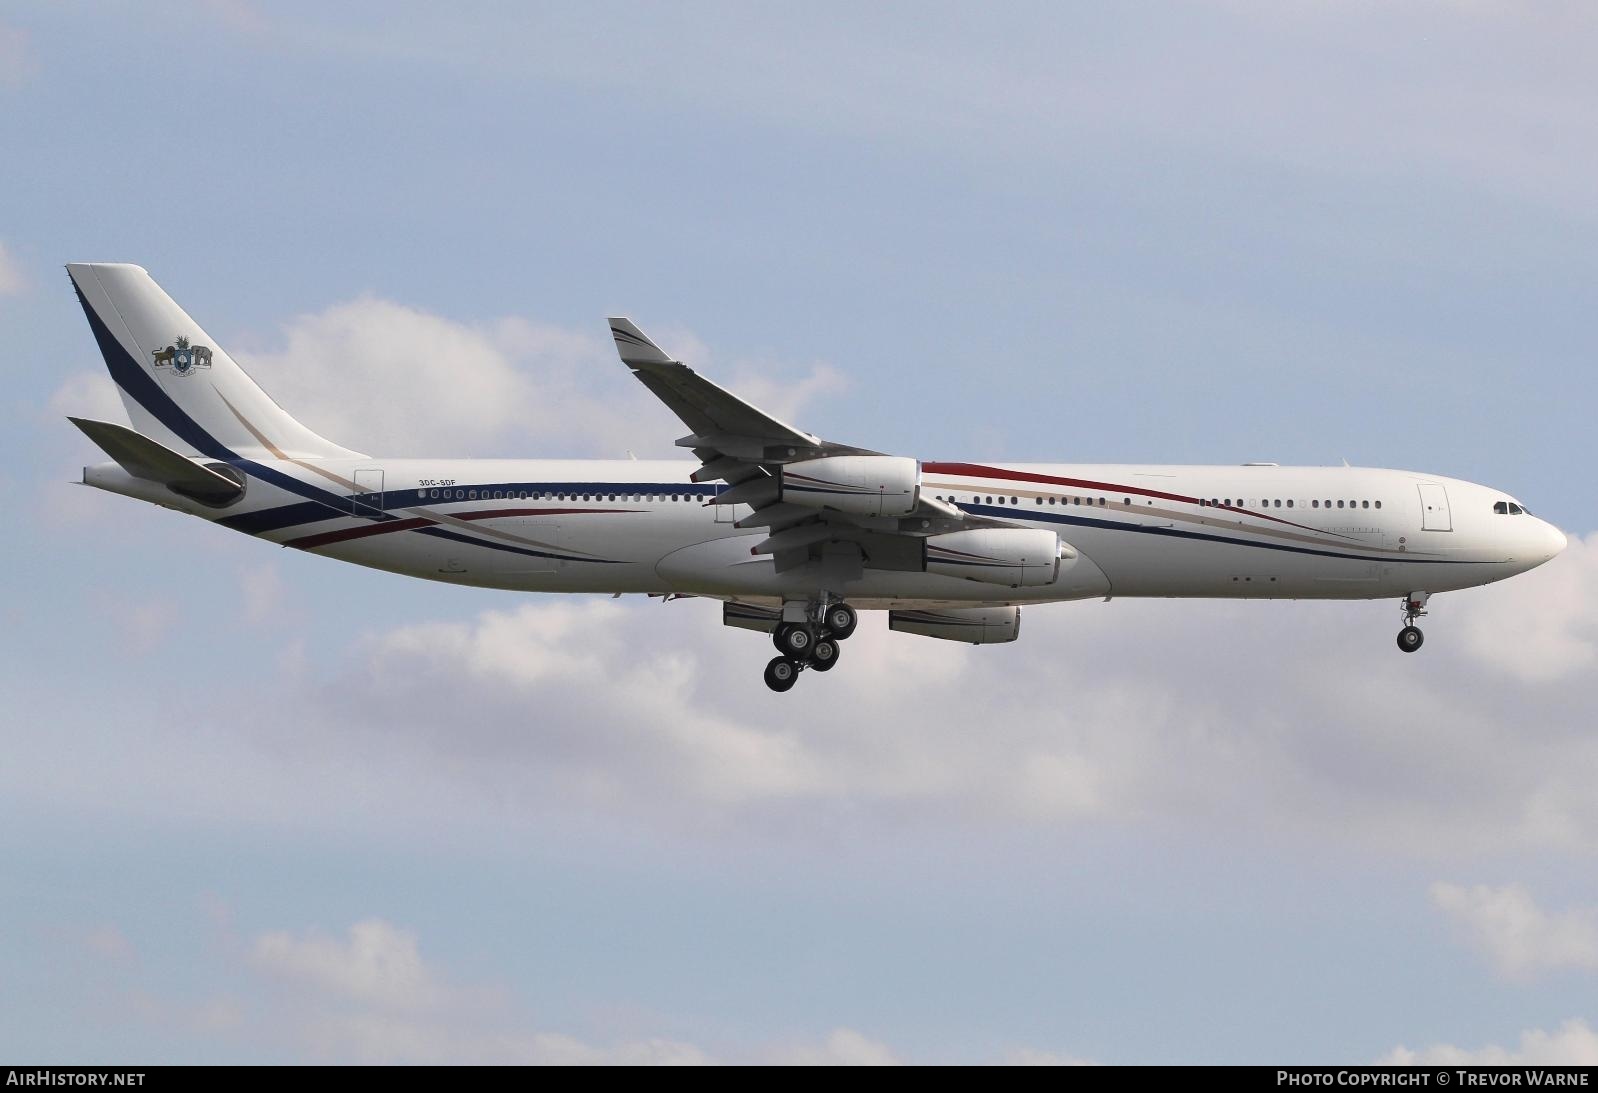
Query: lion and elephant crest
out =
(182, 357)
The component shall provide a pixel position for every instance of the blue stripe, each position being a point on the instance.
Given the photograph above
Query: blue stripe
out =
(599, 491)
(282, 516)
(286, 516)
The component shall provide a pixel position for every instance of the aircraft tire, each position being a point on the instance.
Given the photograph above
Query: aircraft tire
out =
(841, 621)
(795, 641)
(781, 674)
(824, 657)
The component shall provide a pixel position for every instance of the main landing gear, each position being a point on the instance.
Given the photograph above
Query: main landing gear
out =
(1410, 637)
(809, 645)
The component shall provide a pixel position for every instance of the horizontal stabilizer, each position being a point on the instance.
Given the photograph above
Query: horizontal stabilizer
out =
(144, 458)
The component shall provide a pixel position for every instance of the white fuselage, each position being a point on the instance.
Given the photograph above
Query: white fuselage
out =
(644, 527)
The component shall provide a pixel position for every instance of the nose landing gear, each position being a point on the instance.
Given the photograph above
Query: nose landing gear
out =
(1410, 637)
(809, 644)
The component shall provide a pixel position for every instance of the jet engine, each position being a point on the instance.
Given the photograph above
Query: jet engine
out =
(865, 485)
(1017, 557)
(974, 625)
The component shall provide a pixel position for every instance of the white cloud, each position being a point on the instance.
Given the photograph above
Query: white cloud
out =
(841, 1047)
(88, 394)
(1030, 1057)
(394, 380)
(759, 384)
(659, 709)
(1304, 723)
(379, 965)
(1573, 1043)
(12, 280)
(371, 997)
(266, 597)
(1520, 939)
(1548, 628)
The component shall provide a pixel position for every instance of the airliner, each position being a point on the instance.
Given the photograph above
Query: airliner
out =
(792, 533)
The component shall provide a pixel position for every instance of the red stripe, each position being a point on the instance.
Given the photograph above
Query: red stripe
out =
(977, 470)
(491, 514)
(327, 538)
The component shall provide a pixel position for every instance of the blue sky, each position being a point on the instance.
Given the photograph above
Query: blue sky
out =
(257, 806)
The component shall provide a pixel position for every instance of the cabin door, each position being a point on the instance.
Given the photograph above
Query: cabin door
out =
(1434, 513)
(367, 500)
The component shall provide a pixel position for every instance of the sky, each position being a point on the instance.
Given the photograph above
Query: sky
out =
(256, 806)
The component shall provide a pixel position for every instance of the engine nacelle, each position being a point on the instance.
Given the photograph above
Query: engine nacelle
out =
(750, 616)
(865, 485)
(1017, 557)
(974, 625)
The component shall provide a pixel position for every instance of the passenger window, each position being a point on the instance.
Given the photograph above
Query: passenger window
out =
(1290, 503)
(1364, 504)
(1314, 504)
(472, 494)
(1277, 503)
(1378, 504)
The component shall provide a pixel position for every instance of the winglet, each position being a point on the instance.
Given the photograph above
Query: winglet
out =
(635, 349)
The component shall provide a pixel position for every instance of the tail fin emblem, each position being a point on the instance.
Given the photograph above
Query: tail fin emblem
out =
(182, 357)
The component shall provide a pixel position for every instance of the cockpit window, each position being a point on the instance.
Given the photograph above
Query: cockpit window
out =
(1514, 509)
(1501, 508)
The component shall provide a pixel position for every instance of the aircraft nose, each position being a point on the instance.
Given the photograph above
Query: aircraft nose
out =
(1555, 539)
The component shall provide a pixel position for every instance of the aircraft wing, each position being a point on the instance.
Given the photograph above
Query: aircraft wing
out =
(748, 448)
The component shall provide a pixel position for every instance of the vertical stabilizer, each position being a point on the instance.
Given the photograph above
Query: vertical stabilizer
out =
(181, 388)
